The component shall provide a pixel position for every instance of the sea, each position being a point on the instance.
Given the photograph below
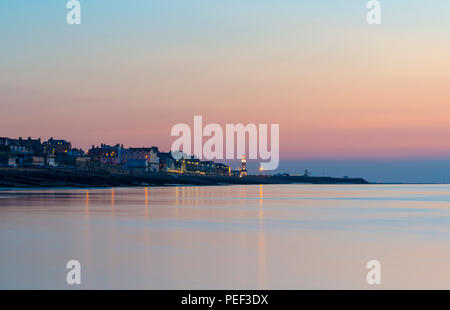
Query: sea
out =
(227, 237)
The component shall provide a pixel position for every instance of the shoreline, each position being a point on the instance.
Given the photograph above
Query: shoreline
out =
(7, 189)
(27, 178)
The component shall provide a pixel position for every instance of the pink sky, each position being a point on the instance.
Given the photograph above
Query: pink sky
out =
(337, 90)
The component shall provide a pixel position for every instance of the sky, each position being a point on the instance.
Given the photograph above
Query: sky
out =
(347, 95)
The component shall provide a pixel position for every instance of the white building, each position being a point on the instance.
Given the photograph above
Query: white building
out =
(129, 157)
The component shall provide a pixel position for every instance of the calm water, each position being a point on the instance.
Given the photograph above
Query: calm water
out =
(268, 237)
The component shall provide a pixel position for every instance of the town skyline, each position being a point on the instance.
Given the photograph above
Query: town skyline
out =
(412, 170)
(109, 159)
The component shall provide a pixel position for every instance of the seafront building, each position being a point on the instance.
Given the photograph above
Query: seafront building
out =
(166, 162)
(143, 157)
(109, 159)
(53, 147)
(32, 152)
(106, 154)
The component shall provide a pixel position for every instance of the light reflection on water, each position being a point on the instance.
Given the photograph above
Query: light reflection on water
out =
(225, 237)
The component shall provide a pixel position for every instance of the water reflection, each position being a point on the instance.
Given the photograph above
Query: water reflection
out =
(113, 202)
(261, 242)
(262, 236)
(87, 203)
(147, 212)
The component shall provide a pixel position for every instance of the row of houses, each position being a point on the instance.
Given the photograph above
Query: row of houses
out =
(35, 152)
(150, 159)
(144, 159)
(112, 158)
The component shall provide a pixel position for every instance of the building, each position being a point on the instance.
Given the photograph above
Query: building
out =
(190, 165)
(23, 149)
(139, 155)
(13, 146)
(222, 169)
(166, 162)
(33, 146)
(150, 153)
(53, 147)
(77, 152)
(32, 152)
(106, 154)
(18, 150)
(23, 146)
(208, 167)
(4, 141)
